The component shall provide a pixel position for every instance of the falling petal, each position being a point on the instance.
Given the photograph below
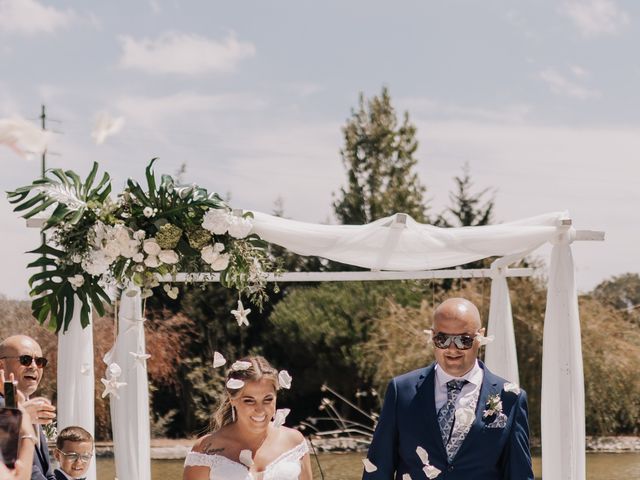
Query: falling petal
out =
(246, 457)
(23, 137)
(485, 340)
(106, 126)
(512, 387)
(430, 471)
(424, 456)
(280, 416)
(369, 467)
(406, 476)
(234, 384)
(240, 365)
(284, 379)
(218, 360)
(429, 334)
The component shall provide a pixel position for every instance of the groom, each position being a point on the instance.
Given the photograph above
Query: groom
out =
(454, 419)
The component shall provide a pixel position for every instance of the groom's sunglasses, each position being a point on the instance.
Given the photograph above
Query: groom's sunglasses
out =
(462, 342)
(25, 360)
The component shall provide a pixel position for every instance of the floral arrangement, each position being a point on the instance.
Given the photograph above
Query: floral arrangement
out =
(134, 239)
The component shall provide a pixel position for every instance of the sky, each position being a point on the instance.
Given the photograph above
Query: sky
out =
(539, 98)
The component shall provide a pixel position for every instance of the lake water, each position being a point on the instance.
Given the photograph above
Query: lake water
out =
(348, 466)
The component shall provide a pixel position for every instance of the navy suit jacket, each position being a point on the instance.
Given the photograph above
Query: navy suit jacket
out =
(409, 420)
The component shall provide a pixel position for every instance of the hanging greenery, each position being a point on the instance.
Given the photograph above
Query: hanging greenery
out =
(145, 233)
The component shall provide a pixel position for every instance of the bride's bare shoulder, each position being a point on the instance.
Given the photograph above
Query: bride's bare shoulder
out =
(292, 437)
(212, 443)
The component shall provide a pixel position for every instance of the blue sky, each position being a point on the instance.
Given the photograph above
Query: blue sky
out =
(540, 98)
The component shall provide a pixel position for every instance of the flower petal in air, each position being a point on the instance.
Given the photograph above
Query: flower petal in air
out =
(218, 360)
(246, 457)
(430, 471)
(369, 467)
(239, 365)
(284, 379)
(280, 416)
(235, 384)
(512, 387)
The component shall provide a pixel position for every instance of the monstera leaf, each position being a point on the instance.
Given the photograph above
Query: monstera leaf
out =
(68, 196)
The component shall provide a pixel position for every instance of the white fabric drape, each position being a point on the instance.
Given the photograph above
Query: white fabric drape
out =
(562, 412)
(75, 405)
(130, 412)
(414, 246)
(500, 355)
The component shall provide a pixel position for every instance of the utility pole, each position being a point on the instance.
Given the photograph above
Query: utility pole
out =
(43, 164)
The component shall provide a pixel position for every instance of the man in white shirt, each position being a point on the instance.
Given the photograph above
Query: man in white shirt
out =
(453, 419)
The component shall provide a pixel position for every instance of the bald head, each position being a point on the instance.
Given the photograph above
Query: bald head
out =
(28, 375)
(456, 310)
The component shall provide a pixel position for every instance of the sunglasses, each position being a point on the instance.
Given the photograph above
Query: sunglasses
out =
(462, 342)
(74, 457)
(25, 360)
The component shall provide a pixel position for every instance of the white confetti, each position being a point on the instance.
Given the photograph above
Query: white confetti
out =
(280, 417)
(218, 360)
(240, 365)
(284, 379)
(368, 466)
(234, 384)
(246, 458)
(512, 387)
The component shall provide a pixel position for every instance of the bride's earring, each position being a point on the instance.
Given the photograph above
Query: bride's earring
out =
(233, 414)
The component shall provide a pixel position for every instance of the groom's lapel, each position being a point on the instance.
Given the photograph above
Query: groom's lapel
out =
(489, 387)
(425, 399)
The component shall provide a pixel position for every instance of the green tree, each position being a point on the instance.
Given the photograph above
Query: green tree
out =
(468, 209)
(621, 292)
(379, 156)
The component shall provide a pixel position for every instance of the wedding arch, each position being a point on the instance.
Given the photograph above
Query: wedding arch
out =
(147, 236)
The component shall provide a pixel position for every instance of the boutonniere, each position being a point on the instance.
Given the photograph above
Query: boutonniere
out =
(511, 387)
(493, 406)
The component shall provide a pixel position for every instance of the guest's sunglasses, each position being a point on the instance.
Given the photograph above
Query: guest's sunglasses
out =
(74, 457)
(25, 360)
(462, 342)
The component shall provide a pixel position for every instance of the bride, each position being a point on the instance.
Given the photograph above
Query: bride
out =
(244, 444)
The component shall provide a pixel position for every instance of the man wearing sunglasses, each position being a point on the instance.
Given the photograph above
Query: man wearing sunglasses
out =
(21, 356)
(454, 419)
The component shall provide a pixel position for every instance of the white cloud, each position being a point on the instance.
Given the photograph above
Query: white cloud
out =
(186, 54)
(30, 17)
(561, 85)
(153, 110)
(596, 17)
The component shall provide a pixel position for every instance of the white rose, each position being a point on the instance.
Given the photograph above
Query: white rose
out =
(152, 261)
(218, 247)
(208, 255)
(139, 235)
(169, 257)
(151, 247)
(138, 257)
(148, 212)
(239, 227)
(220, 263)
(112, 250)
(216, 220)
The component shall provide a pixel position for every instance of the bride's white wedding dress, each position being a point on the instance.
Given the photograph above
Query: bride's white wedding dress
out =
(285, 467)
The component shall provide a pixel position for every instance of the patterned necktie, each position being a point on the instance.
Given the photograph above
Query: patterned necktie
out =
(447, 413)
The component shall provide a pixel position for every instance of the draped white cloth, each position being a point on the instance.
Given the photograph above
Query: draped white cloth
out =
(130, 412)
(500, 355)
(75, 379)
(563, 421)
(388, 245)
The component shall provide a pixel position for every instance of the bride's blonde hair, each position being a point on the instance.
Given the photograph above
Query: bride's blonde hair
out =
(260, 369)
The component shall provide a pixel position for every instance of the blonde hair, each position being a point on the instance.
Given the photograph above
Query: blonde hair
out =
(260, 369)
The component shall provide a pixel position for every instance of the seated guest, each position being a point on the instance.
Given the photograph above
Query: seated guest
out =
(74, 450)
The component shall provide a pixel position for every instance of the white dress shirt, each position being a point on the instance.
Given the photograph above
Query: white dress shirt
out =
(469, 393)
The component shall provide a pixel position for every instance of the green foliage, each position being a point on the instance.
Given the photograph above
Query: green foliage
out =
(379, 156)
(622, 293)
(468, 209)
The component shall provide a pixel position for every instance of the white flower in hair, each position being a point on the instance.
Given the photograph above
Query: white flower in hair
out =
(218, 360)
(485, 340)
(240, 365)
(512, 387)
(369, 467)
(234, 384)
(280, 416)
(284, 379)
(246, 457)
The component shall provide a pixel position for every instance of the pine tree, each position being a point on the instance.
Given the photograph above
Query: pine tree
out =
(467, 208)
(379, 156)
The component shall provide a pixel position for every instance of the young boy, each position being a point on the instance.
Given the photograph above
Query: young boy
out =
(74, 450)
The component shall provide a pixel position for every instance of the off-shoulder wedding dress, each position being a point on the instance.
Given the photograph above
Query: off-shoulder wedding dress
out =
(285, 467)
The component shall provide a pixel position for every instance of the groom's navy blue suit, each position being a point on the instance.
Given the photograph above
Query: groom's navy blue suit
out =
(409, 420)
